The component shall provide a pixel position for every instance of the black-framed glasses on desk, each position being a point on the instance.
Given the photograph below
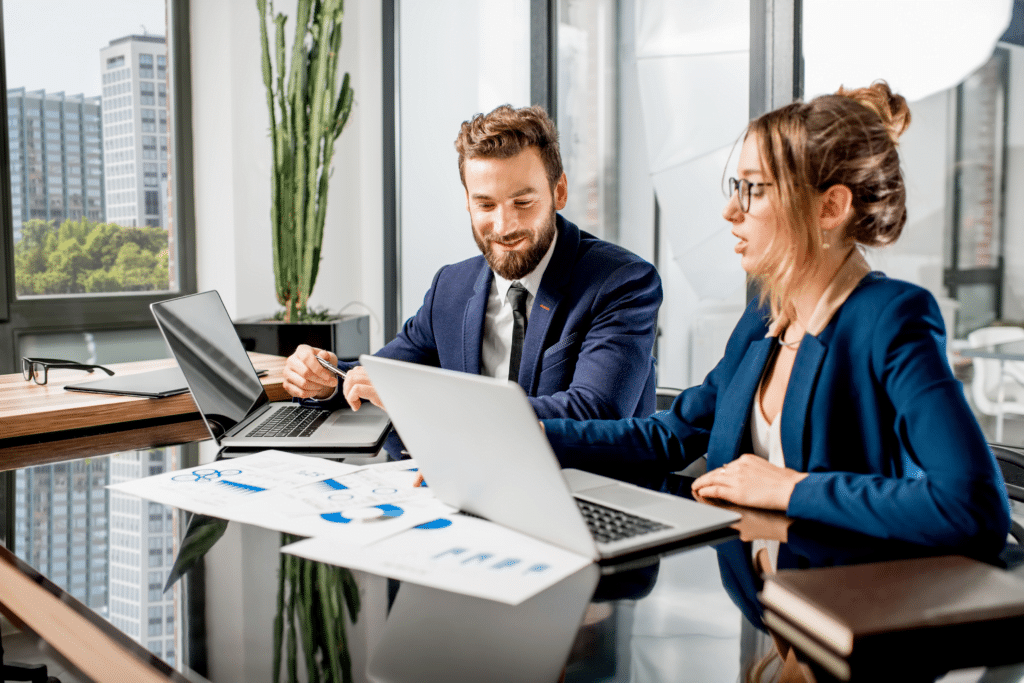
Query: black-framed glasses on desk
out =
(37, 369)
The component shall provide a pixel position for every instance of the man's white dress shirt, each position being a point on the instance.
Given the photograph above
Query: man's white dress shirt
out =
(496, 344)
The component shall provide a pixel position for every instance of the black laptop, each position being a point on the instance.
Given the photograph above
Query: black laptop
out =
(231, 398)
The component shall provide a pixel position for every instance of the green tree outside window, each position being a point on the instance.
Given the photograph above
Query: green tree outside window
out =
(86, 257)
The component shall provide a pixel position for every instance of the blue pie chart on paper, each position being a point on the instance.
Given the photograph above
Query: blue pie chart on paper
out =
(439, 523)
(371, 514)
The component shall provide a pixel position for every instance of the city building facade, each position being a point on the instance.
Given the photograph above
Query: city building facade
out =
(56, 157)
(135, 130)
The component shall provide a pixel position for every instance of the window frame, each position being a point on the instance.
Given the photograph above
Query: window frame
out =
(955, 275)
(82, 313)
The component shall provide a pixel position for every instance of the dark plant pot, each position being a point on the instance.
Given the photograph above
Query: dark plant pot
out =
(347, 336)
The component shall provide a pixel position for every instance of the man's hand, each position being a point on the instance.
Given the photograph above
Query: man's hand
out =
(304, 377)
(750, 481)
(358, 388)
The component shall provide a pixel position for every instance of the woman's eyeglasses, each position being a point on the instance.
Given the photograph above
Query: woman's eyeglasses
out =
(747, 190)
(37, 369)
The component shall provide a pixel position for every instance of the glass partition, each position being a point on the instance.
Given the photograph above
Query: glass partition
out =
(484, 62)
(587, 112)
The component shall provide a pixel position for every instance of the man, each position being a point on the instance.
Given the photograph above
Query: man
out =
(579, 344)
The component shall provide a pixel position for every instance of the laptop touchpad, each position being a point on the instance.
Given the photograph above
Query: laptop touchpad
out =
(624, 496)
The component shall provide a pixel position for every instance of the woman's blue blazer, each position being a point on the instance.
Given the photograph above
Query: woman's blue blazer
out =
(872, 411)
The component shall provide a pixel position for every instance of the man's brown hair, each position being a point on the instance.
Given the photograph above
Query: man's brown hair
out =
(505, 132)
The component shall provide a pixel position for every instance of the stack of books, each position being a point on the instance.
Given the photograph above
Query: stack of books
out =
(912, 616)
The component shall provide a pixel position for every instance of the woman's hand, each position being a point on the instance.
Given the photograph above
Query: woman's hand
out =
(750, 481)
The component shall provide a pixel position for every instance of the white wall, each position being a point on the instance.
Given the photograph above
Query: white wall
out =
(232, 164)
(443, 83)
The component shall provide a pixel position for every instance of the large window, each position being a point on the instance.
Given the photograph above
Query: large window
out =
(588, 113)
(440, 85)
(974, 248)
(86, 247)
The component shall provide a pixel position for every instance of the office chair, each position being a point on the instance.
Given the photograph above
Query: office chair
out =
(990, 376)
(1011, 462)
(664, 397)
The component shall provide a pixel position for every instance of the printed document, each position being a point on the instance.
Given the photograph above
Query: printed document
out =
(216, 488)
(458, 553)
(355, 508)
(299, 494)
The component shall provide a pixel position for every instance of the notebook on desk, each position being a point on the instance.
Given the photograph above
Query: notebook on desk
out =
(231, 398)
(946, 611)
(481, 450)
(150, 384)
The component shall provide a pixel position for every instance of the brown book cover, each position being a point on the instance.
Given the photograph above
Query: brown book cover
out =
(972, 610)
(838, 666)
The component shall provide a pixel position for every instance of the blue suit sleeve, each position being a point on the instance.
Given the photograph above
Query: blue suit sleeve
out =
(949, 491)
(669, 439)
(614, 365)
(415, 343)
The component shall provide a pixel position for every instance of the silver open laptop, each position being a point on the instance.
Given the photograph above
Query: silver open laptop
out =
(481, 450)
(230, 396)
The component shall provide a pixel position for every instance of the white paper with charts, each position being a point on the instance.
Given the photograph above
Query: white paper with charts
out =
(457, 553)
(298, 494)
(355, 508)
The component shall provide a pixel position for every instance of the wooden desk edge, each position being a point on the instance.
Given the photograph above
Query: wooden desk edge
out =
(83, 411)
(96, 653)
(139, 438)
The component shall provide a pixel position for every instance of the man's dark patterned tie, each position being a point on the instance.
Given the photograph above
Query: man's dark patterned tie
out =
(517, 298)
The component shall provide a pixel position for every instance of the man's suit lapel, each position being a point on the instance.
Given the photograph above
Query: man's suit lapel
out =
(737, 400)
(473, 320)
(547, 301)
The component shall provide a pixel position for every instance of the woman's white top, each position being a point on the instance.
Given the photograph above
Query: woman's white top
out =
(767, 442)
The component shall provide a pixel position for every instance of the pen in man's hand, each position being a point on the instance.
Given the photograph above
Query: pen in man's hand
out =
(327, 364)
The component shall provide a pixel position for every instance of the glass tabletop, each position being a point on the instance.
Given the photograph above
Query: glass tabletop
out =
(207, 596)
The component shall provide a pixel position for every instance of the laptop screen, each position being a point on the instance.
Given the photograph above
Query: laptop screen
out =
(218, 371)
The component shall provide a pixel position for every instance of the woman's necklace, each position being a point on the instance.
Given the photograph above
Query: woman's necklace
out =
(788, 345)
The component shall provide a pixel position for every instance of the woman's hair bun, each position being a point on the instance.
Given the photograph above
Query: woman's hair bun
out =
(891, 107)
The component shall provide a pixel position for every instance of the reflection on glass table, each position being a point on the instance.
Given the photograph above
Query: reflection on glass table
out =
(690, 614)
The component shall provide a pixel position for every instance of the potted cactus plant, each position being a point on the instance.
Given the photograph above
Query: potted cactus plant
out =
(308, 111)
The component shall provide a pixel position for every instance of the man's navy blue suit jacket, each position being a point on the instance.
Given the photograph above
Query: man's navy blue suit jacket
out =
(587, 351)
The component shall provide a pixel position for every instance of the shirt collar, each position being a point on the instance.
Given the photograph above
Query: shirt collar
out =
(846, 279)
(532, 279)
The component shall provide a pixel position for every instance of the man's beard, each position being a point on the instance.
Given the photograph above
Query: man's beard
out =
(515, 265)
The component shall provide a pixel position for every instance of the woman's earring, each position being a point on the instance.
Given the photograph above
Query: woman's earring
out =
(824, 240)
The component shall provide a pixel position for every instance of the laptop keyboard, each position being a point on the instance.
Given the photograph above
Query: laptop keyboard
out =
(291, 421)
(608, 524)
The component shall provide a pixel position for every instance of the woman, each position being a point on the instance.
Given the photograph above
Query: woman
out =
(834, 400)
